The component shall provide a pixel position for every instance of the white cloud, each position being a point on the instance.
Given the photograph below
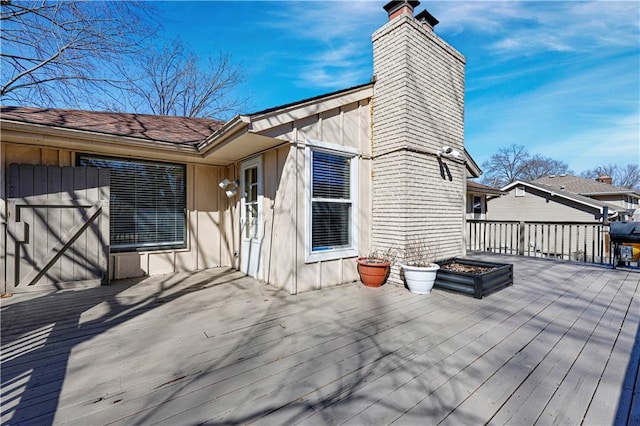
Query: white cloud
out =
(586, 116)
(523, 28)
(325, 21)
(337, 39)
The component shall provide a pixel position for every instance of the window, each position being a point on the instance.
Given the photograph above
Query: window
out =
(331, 189)
(251, 203)
(147, 203)
(477, 204)
(520, 191)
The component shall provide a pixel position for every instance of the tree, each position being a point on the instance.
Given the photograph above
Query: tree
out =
(506, 166)
(172, 81)
(515, 163)
(66, 51)
(627, 177)
(540, 166)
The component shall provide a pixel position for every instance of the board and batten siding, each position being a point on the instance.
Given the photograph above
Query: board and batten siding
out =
(284, 198)
(207, 215)
(418, 109)
(538, 206)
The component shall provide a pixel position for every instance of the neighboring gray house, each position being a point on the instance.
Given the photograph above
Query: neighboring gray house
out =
(291, 195)
(477, 199)
(559, 223)
(601, 189)
(537, 202)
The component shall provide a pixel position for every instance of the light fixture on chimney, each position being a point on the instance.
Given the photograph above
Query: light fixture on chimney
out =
(447, 151)
(230, 187)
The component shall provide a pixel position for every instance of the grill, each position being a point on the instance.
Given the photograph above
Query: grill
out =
(626, 239)
(624, 232)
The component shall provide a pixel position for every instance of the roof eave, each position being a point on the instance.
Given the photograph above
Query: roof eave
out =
(84, 135)
(472, 167)
(232, 127)
(625, 192)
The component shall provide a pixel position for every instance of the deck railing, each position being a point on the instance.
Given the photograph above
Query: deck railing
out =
(571, 241)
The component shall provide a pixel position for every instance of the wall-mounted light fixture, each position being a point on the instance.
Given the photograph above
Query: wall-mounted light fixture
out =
(230, 187)
(447, 151)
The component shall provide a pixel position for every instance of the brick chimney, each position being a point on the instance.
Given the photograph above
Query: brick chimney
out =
(605, 179)
(399, 8)
(418, 108)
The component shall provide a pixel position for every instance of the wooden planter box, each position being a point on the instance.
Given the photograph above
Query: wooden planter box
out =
(476, 285)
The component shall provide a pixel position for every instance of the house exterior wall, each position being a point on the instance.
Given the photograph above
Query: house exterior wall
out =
(284, 198)
(418, 108)
(206, 215)
(616, 199)
(213, 220)
(538, 206)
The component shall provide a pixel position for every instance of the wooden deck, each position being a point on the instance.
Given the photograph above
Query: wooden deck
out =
(561, 346)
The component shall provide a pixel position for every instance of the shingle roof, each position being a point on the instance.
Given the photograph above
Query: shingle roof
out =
(579, 185)
(478, 187)
(177, 130)
(568, 195)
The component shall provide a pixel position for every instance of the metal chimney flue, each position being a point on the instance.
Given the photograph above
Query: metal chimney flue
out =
(427, 20)
(400, 8)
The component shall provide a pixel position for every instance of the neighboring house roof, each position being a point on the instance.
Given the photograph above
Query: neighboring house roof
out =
(177, 130)
(579, 185)
(479, 188)
(554, 192)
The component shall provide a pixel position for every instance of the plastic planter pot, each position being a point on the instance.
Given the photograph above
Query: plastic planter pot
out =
(420, 279)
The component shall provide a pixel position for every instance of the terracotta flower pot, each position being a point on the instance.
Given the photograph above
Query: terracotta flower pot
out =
(373, 272)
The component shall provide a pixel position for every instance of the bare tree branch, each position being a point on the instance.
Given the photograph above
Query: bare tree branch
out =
(515, 163)
(63, 51)
(627, 177)
(172, 81)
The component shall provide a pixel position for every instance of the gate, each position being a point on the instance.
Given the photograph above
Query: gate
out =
(57, 227)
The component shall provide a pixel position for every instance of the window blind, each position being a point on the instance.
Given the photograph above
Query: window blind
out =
(330, 201)
(147, 203)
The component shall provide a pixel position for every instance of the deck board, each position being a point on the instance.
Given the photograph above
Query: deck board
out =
(479, 336)
(559, 346)
(509, 354)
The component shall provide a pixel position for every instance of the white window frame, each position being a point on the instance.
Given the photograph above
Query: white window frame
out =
(520, 191)
(353, 154)
(248, 164)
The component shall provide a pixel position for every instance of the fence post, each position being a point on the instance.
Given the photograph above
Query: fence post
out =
(521, 239)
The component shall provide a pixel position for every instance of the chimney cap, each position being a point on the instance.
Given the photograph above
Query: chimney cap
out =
(428, 18)
(395, 5)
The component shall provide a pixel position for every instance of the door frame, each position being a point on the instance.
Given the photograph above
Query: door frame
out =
(251, 246)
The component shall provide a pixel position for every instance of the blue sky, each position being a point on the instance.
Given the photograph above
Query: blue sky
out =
(561, 78)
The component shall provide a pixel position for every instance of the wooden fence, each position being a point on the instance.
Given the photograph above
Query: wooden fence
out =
(571, 241)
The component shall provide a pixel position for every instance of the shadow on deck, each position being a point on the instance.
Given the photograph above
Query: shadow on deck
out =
(216, 347)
